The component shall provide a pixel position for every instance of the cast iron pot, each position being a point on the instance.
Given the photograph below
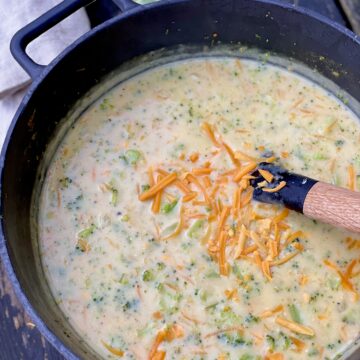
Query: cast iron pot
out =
(268, 25)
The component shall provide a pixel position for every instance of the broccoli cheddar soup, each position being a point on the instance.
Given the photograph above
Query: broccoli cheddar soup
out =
(150, 240)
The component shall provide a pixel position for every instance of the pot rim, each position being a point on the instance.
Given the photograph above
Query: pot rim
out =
(4, 252)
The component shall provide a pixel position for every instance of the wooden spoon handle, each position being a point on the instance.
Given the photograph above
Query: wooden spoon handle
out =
(333, 205)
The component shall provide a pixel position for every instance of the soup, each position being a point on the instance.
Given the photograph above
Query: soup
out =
(150, 240)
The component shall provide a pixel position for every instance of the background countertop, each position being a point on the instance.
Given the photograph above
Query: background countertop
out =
(19, 338)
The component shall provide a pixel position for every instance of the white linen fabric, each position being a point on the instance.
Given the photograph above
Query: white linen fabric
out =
(15, 14)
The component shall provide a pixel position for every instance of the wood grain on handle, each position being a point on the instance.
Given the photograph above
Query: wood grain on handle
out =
(334, 205)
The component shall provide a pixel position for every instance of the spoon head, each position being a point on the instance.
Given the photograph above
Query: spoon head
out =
(292, 195)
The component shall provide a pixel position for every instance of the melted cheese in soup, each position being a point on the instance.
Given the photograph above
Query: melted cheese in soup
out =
(150, 241)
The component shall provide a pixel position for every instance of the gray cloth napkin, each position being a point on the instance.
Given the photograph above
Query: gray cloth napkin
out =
(14, 14)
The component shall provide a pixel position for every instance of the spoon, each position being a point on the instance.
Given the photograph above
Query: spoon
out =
(315, 199)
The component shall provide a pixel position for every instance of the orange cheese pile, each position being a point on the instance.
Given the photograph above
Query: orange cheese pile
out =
(235, 232)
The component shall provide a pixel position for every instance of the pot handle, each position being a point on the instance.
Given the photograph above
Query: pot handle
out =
(46, 21)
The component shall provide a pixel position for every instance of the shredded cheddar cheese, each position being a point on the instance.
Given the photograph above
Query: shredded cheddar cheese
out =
(113, 350)
(295, 327)
(281, 185)
(204, 187)
(163, 183)
(269, 313)
(268, 176)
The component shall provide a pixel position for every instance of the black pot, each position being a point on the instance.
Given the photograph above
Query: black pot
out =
(268, 25)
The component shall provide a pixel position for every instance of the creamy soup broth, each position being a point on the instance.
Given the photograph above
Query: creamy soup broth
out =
(167, 277)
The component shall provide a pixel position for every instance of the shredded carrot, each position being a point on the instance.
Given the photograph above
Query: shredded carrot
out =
(201, 171)
(303, 280)
(182, 186)
(157, 315)
(155, 208)
(284, 260)
(258, 338)
(292, 237)
(269, 313)
(160, 337)
(250, 249)
(189, 197)
(300, 345)
(196, 216)
(236, 202)
(298, 246)
(351, 177)
(231, 154)
(241, 242)
(257, 240)
(257, 258)
(179, 183)
(277, 237)
(210, 133)
(83, 245)
(151, 176)
(268, 160)
(159, 355)
(239, 155)
(244, 183)
(283, 226)
(273, 249)
(212, 217)
(231, 294)
(281, 216)
(178, 229)
(267, 175)
(284, 154)
(322, 316)
(229, 172)
(199, 203)
(225, 211)
(173, 332)
(207, 181)
(113, 350)
(347, 285)
(352, 243)
(294, 327)
(266, 269)
(244, 171)
(196, 182)
(167, 180)
(248, 177)
(194, 157)
(247, 197)
(276, 188)
(349, 269)
(223, 265)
